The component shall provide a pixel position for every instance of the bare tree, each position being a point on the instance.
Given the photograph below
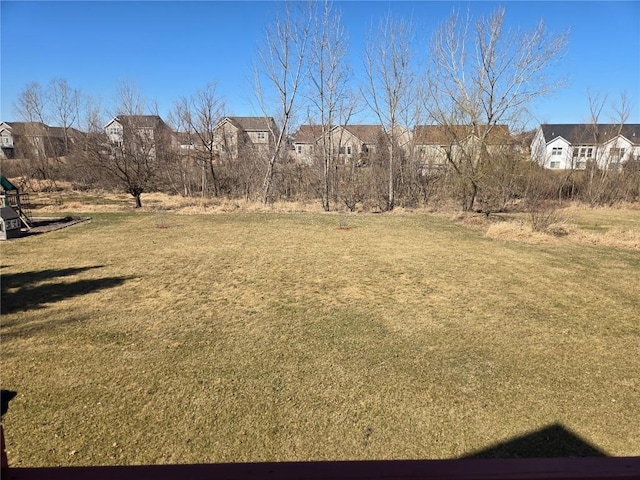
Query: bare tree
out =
(135, 155)
(331, 99)
(92, 116)
(65, 104)
(31, 103)
(482, 76)
(200, 114)
(282, 71)
(129, 99)
(32, 137)
(604, 179)
(30, 107)
(390, 82)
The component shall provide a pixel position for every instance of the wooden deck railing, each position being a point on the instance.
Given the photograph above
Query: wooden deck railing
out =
(600, 468)
(472, 468)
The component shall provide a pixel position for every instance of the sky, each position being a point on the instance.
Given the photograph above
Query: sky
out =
(170, 49)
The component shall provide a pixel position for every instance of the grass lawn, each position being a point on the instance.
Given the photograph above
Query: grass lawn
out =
(251, 337)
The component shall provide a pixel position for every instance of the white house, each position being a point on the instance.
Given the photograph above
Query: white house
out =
(574, 146)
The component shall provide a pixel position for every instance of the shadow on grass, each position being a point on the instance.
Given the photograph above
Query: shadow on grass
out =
(25, 291)
(560, 442)
(549, 442)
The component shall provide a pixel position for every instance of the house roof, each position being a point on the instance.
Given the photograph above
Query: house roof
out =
(308, 134)
(140, 121)
(448, 134)
(590, 134)
(187, 138)
(253, 124)
(19, 128)
(369, 134)
(39, 128)
(59, 132)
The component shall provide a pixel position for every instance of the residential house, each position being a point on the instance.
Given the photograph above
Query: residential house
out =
(234, 134)
(305, 143)
(575, 146)
(29, 139)
(145, 127)
(187, 142)
(350, 142)
(435, 144)
(6, 137)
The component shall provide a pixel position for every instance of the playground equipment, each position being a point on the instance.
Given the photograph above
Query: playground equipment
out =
(10, 196)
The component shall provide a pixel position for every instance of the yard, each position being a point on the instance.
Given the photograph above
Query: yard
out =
(142, 338)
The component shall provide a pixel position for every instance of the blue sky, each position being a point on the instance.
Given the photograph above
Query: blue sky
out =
(170, 49)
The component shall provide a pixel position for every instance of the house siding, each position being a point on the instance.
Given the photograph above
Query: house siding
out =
(584, 144)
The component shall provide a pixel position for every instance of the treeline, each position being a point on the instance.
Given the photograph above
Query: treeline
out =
(475, 72)
(509, 181)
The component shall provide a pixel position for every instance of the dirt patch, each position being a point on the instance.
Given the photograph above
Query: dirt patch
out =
(50, 224)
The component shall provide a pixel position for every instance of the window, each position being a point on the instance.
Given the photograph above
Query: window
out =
(341, 150)
(554, 165)
(586, 152)
(261, 136)
(349, 150)
(616, 153)
(299, 148)
(13, 224)
(556, 151)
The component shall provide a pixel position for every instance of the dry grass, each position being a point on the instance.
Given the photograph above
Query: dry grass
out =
(246, 337)
(67, 200)
(610, 227)
(519, 232)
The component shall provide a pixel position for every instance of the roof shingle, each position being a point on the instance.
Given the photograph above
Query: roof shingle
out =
(590, 134)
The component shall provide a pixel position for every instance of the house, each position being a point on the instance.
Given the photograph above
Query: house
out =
(575, 146)
(187, 141)
(350, 142)
(145, 127)
(232, 135)
(6, 136)
(140, 136)
(305, 143)
(434, 144)
(35, 139)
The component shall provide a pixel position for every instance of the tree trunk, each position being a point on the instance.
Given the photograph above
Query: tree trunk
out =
(216, 188)
(391, 199)
(325, 192)
(472, 199)
(203, 183)
(136, 193)
(268, 179)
